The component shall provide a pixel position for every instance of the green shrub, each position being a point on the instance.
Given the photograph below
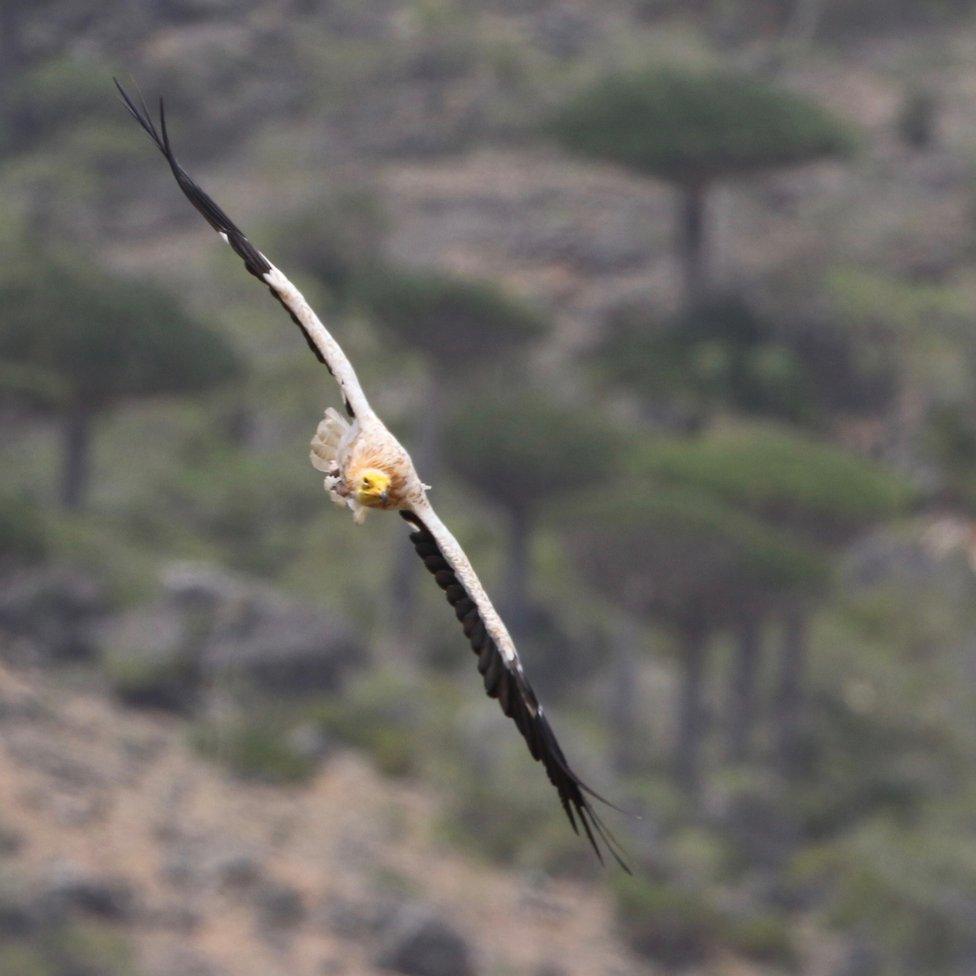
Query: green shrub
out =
(909, 890)
(764, 937)
(169, 683)
(521, 449)
(493, 814)
(74, 949)
(451, 318)
(23, 538)
(391, 718)
(678, 925)
(665, 922)
(335, 240)
(780, 475)
(259, 748)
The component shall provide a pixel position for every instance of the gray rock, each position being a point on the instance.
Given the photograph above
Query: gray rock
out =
(70, 889)
(280, 645)
(53, 610)
(238, 871)
(153, 658)
(18, 917)
(360, 918)
(208, 626)
(419, 943)
(10, 841)
(280, 906)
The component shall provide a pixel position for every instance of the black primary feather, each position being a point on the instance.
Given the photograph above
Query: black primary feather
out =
(253, 259)
(517, 699)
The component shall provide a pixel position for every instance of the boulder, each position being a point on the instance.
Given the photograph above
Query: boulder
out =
(208, 625)
(52, 611)
(281, 645)
(70, 889)
(279, 906)
(420, 943)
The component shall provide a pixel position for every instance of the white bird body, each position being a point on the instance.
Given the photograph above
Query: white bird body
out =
(367, 467)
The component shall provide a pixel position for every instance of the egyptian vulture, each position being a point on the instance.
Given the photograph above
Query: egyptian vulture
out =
(366, 468)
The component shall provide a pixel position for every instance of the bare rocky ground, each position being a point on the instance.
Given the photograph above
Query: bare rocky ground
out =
(107, 812)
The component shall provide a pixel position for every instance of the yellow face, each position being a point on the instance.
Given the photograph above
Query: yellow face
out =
(371, 487)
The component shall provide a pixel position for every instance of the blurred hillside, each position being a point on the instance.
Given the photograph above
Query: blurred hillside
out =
(674, 304)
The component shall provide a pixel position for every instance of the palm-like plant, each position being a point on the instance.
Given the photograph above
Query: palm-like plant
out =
(694, 129)
(77, 342)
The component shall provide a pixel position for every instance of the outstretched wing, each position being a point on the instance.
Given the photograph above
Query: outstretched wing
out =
(319, 340)
(504, 678)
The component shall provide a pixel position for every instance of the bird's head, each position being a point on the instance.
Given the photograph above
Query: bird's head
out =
(371, 487)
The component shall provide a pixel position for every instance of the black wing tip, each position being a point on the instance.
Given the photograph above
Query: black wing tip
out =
(519, 703)
(573, 792)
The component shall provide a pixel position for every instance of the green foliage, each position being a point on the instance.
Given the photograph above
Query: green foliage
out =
(727, 355)
(692, 127)
(494, 815)
(664, 922)
(524, 449)
(51, 97)
(256, 747)
(145, 681)
(949, 439)
(23, 537)
(105, 338)
(336, 240)
(454, 320)
(76, 949)
(391, 717)
(780, 475)
(245, 505)
(679, 926)
(683, 553)
(909, 889)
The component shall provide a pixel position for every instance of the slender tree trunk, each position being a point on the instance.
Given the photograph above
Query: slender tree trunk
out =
(428, 459)
(692, 243)
(622, 720)
(789, 703)
(517, 572)
(76, 446)
(742, 689)
(691, 713)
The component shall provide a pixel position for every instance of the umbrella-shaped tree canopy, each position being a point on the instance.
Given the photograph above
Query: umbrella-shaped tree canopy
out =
(524, 451)
(784, 478)
(690, 127)
(78, 341)
(101, 339)
(684, 555)
(452, 319)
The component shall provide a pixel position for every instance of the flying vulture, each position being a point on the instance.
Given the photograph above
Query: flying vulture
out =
(365, 468)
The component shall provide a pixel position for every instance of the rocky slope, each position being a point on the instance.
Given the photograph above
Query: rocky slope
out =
(108, 814)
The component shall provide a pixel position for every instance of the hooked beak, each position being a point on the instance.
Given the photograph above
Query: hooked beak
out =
(384, 496)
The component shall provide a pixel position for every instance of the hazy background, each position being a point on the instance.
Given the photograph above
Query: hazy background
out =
(674, 303)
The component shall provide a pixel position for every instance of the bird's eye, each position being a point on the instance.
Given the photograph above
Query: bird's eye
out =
(366, 483)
